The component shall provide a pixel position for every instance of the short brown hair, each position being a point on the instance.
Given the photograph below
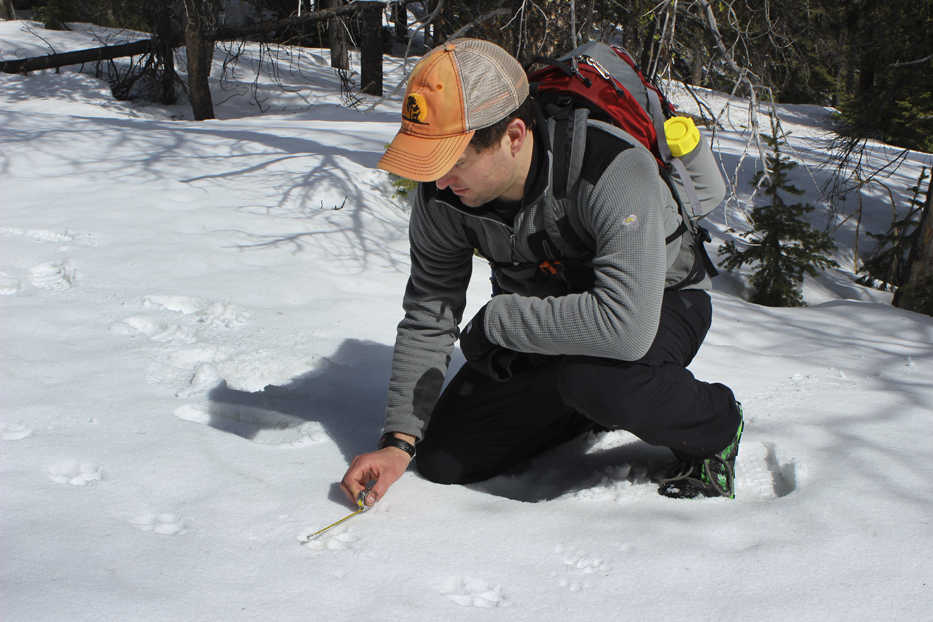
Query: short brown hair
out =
(486, 137)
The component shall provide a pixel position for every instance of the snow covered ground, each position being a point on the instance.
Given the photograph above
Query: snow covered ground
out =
(197, 323)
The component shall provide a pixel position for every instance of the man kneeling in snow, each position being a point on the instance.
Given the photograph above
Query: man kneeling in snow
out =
(597, 339)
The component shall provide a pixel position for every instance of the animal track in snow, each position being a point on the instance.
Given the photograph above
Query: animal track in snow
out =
(9, 285)
(579, 567)
(179, 321)
(196, 315)
(53, 275)
(44, 235)
(161, 332)
(204, 378)
(265, 427)
(14, 431)
(75, 473)
(210, 313)
(165, 524)
(471, 592)
(340, 538)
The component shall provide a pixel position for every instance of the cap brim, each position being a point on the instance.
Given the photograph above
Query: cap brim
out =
(423, 159)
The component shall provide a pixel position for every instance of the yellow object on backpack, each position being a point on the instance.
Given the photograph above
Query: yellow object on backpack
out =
(682, 135)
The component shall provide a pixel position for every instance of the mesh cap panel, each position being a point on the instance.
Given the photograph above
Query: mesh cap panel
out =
(494, 83)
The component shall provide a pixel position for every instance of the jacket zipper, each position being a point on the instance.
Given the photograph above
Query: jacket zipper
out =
(512, 237)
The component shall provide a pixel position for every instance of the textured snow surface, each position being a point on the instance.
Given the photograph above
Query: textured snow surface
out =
(197, 326)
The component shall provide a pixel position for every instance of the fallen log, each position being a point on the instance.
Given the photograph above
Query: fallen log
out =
(371, 78)
(52, 61)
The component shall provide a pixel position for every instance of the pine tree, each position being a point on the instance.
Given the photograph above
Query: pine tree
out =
(782, 244)
(54, 14)
(889, 97)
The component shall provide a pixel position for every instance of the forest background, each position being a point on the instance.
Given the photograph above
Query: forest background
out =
(870, 60)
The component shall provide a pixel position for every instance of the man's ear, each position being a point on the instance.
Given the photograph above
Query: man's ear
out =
(517, 132)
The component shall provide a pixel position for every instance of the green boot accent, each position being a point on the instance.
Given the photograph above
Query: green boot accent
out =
(713, 476)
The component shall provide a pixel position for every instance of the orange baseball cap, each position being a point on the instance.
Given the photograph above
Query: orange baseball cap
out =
(458, 88)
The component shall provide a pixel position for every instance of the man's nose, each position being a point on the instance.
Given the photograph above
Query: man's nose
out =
(444, 181)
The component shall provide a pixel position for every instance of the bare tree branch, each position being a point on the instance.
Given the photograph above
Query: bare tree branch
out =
(479, 20)
(421, 26)
(907, 63)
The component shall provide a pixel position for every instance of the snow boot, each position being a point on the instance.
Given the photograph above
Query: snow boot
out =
(713, 476)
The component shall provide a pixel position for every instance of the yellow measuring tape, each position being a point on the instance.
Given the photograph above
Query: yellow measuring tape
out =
(360, 503)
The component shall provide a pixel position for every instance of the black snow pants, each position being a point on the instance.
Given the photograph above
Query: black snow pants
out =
(481, 427)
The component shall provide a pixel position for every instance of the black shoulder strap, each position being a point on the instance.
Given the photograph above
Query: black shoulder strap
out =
(567, 135)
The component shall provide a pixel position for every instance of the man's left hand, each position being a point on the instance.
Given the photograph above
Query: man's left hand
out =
(473, 340)
(483, 355)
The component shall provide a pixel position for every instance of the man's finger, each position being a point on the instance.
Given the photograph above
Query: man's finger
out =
(376, 492)
(353, 481)
(348, 491)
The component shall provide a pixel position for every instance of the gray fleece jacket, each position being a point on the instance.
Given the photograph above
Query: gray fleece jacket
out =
(612, 226)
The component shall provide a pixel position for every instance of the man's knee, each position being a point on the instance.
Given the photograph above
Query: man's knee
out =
(441, 466)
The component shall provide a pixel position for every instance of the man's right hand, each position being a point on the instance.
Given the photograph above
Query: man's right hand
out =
(382, 468)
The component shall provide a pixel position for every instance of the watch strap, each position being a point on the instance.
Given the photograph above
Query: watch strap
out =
(390, 440)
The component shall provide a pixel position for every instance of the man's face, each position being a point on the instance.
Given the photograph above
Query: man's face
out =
(479, 177)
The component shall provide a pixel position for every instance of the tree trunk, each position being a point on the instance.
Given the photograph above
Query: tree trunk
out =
(6, 9)
(400, 17)
(371, 48)
(440, 29)
(337, 34)
(200, 52)
(917, 293)
(428, 30)
(165, 54)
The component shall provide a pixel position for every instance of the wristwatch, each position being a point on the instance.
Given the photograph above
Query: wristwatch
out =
(390, 440)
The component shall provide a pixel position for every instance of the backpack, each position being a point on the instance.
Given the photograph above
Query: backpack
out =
(601, 82)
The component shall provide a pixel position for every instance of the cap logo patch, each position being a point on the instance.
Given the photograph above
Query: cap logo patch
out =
(416, 109)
